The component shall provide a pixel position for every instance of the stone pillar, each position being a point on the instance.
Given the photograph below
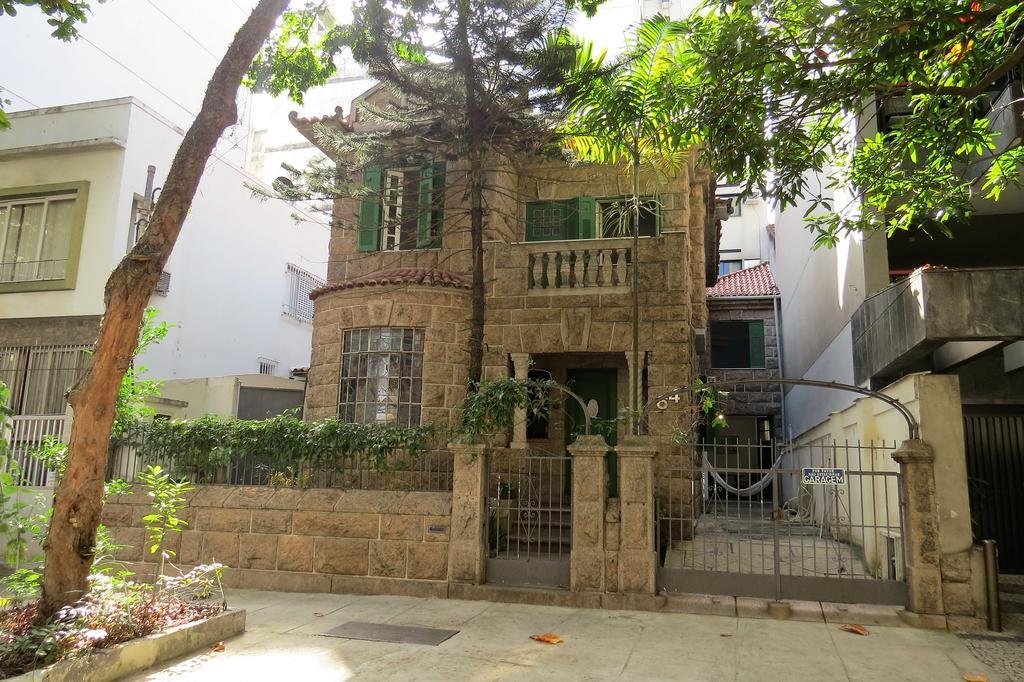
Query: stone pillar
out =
(589, 487)
(629, 378)
(638, 554)
(467, 547)
(521, 368)
(920, 527)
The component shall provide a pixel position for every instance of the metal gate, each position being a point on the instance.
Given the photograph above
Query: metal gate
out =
(529, 518)
(817, 522)
(995, 469)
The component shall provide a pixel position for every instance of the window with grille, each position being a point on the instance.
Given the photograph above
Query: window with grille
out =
(381, 376)
(300, 284)
(35, 236)
(163, 285)
(267, 366)
(40, 376)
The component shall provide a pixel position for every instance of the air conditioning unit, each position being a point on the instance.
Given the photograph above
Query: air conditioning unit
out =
(890, 545)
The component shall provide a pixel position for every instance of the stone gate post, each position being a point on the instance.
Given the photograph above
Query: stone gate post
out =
(467, 548)
(637, 551)
(920, 527)
(589, 488)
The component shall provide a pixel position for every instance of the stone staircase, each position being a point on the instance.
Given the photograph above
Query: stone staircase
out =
(543, 530)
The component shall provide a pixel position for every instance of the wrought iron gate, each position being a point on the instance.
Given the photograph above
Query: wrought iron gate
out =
(529, 518)
(819, 522)
(995, 470)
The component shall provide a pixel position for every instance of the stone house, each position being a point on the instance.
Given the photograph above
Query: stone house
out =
(744, 314)
(390, 338)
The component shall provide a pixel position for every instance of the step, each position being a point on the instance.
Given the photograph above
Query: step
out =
(1011, 584)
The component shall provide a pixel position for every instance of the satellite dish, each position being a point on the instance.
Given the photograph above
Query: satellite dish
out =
(592, 408)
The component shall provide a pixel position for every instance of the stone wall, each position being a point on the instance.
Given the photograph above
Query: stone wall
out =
(521, 320)
(317, 540)
(753, 400)
(48, 331)
(441, 312)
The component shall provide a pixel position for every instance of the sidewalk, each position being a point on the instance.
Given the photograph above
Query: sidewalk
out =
(282, 644)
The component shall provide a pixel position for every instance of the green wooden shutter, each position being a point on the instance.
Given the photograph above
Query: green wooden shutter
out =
(548, 220)
(369, 211)
(586, 218)
(755, 333)
(430, 221)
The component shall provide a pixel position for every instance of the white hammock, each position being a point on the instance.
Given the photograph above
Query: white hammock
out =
(750, 490)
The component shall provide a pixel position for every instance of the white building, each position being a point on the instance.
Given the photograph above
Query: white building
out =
(72, 180)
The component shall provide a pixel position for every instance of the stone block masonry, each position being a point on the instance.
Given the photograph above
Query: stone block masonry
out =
(303, 540)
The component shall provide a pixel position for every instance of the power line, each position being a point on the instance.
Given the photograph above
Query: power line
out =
(23, 99)
(138, 75)
(184, 30)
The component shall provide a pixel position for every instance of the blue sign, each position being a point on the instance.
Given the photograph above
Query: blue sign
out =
(820, 476)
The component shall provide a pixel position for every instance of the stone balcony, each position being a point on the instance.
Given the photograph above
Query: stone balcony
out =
(898, 329)
(575, 265)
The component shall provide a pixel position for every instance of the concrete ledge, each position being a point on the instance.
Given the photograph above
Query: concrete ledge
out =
(138, 654)
(701, 604)
(344, 584)
(534, 596)
(924, 620)
(863, 614)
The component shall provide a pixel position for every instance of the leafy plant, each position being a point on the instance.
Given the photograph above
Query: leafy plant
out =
(491, 408)
(115, 610)
(168, 501)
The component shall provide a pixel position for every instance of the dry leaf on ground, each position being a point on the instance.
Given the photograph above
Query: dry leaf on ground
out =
(855, 629)
(218, 647)
(975, 677)
(547, 638)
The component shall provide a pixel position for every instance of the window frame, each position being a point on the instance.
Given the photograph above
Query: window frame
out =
(750, 364)
(80, 191)
(647, 198)
(355, 373)
(377, 233)
(296, 305)
(721, 262)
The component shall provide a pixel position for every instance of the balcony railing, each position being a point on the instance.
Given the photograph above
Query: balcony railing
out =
(580, 264)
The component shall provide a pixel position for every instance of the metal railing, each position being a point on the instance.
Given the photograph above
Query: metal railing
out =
(425, 471)
(26, 434)
(587, 264)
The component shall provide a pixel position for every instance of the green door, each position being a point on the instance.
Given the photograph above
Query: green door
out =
(601, 385)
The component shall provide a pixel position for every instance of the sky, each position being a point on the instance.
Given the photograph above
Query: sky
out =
(163, 52)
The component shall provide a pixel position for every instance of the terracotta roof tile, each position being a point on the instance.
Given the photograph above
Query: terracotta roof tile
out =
(419, 276)
(755, 281)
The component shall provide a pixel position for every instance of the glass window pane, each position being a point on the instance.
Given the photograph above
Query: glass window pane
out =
(381, 375)
(54, 254)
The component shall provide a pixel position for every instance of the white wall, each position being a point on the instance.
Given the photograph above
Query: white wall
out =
(228, 268)
(102, 168)
(163, 52)
(744, 236)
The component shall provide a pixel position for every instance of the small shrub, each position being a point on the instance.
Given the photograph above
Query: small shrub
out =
(115, 610)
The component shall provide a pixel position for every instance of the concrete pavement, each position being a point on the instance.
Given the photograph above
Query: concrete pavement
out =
(282, 644)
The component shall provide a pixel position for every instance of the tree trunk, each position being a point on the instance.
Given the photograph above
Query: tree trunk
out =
(635, 285)
(477, 301)
(78, 501)
(474, 149)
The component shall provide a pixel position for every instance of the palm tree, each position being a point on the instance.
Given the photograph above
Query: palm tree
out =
(628, 113)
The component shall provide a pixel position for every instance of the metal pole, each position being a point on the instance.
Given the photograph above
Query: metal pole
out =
(995, 618)
(776, 518)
